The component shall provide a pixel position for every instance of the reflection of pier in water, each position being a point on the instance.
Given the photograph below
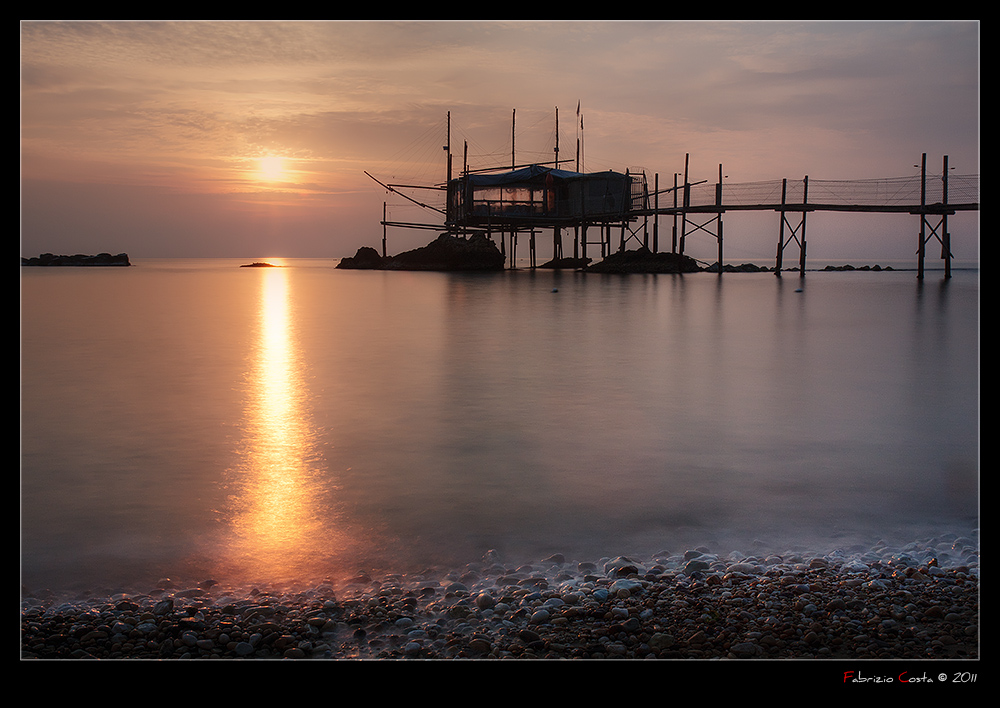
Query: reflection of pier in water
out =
(515, 199)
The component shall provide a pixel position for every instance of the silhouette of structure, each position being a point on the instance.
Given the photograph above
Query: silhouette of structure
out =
(507, 201)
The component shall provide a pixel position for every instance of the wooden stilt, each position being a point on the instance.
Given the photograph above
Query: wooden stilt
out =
(656, 215)
(923, 215)
(781, 229)
(673, 231)
(802, 245)
(945, 236)
(718, 203)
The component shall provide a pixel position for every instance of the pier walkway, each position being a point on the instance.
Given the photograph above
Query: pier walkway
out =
(700, 206)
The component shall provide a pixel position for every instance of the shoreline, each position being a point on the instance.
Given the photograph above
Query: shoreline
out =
(917, 601)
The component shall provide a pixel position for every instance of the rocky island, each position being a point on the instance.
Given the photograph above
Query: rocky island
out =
(101, 259)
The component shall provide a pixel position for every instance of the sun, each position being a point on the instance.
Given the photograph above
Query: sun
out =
(272, 167)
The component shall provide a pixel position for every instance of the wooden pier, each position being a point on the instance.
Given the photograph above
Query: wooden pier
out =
(933, 199)
(518, 199)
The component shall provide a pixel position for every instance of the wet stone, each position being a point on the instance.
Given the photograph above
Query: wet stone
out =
(875, 602)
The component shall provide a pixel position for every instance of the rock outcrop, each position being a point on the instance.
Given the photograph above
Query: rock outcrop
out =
(445, 253)
(101, 259)
(366, 258)
(643, 260)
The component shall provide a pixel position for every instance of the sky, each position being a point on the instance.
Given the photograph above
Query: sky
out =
(252, 139)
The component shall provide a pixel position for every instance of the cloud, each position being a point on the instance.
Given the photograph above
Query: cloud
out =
(187, 107)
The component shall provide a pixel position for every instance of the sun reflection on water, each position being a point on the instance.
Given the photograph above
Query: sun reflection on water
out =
(278, 502)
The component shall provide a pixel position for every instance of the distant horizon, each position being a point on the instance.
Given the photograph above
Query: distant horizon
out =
(931, 264)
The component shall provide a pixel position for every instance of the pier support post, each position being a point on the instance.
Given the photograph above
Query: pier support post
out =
(685, 204)
(795, 234)
(718, 204)
(645, 207)
(718, 210)
(781, 229)
(656, 213)
(673, 231)
(940, 230)
(802, 246)
(923, 215)
(719, 236)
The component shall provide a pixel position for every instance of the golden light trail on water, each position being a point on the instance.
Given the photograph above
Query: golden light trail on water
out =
(279, 522)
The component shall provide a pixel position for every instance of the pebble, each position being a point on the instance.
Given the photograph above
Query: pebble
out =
(916, 602)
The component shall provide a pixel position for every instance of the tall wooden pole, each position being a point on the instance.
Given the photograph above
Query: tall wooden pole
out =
(673, 231)
(923, 214)
(802, 249)
(556, 231)
(781, 229)
(557, 137)
(447, 147)
(718, 204)
(513, 120)
(656, 213)
(945, 236)
(576, 229)
(686, 202)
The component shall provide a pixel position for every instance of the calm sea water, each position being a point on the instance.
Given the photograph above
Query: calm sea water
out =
(193, 419)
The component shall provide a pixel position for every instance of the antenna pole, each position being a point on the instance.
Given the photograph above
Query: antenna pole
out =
(447, 147)
(557, 137)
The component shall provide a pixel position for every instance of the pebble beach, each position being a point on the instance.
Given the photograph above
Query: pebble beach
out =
(918, 601)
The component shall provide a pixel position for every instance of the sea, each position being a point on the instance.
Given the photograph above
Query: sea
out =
(194, 419)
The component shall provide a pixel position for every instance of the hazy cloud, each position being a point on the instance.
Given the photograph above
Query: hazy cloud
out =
(186, 107)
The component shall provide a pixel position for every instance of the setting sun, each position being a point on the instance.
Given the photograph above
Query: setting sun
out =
(272, 167)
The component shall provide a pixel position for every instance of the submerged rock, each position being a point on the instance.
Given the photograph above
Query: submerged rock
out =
(742, 268)
(445, 253)
(567, 263)
(875, 267)
(643, 260)
(101, 259)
